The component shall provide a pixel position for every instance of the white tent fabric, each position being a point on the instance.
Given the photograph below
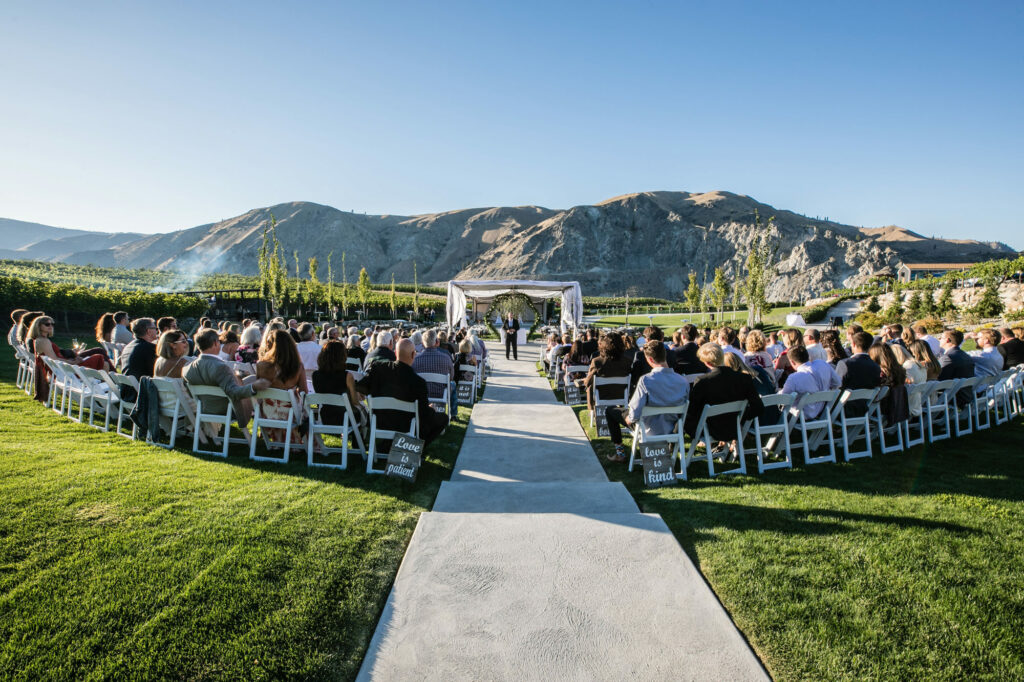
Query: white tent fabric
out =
(485, 291)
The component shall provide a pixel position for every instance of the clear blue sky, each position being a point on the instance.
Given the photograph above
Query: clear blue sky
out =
(162, 115)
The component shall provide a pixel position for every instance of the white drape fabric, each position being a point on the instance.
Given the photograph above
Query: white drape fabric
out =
(485, 291)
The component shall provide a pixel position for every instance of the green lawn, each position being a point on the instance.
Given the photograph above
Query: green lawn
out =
(904, 566)
(670, 322)
(125, 561)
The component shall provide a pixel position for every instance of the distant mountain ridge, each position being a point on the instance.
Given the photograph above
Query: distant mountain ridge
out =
(646, 240)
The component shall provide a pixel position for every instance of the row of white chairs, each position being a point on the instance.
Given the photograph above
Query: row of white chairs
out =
(993, 399)
(87, 395)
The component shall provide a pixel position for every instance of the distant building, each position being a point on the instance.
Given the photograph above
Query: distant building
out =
(910, 271)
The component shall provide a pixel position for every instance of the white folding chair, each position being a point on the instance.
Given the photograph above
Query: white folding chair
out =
(101, 396)
(120, 383)
(58, 384)
(916, 425)
(261, 422)
(614, 398)
(444, 381)
(26, 369)
(853, 427)
(392, 405)
(937, 408)
(1002, 396)
(225, 440)
(963, 416)
(894, 430)
(690, 378)
(348, 428)
(172, 406)
(814, 431)
(984, 401)
(570, 370)
(779, 431)
(76, 390)
(353, 364)
(676, 435)
(703, 432)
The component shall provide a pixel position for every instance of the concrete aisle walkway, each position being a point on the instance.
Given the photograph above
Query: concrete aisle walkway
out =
(533, 566)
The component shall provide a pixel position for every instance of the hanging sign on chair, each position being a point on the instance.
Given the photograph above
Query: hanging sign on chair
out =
(657, 460)
(405, 457)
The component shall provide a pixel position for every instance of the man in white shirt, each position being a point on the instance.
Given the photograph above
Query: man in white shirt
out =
(988, 362)
(774, 346)
(309, 349)
(726, 338)
(810, 376)
(815, 351)
(922, 333)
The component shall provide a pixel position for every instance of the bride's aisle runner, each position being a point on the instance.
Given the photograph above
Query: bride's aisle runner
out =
(533, 566)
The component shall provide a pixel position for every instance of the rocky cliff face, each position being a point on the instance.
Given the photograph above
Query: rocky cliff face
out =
(650, 241)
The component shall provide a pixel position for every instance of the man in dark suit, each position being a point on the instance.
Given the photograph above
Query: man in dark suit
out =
(511, 327)
(955, 364)
(1011, 348)
(139, 356)
(387, 379)
(720, 385)
(686, 361)
(590, 347)
(640, 365)
(859, 371)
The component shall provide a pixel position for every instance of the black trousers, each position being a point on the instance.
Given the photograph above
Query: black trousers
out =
(512, 343)
(616, 417)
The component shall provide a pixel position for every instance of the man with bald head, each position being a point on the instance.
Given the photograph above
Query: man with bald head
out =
(397, 379)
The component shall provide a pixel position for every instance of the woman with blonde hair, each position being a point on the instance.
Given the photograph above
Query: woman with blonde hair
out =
(171, 351)
(756, 354)
(280, 364)
(923, 355)
(790, 338)
(38, 341)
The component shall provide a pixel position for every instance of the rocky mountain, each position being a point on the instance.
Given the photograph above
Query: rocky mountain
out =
(649, 240)
(20, 240)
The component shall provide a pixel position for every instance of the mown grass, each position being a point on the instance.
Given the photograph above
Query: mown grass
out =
(120, 560)
(904, 566)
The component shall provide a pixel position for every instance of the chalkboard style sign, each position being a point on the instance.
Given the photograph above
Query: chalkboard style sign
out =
(657, 461)
(464, 393)
(601, 422)
(405, 457)
(573, 394)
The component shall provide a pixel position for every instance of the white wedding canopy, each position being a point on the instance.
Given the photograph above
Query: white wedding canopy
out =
(485, 291)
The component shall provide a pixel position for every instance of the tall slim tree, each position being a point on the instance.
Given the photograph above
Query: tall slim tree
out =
(415, 290)
(313, 285)
(737, 294)
(760, 269)
(264, 267)
(363, 288)
(330, 284)
(693, 294)
(298, 283)
(393, 298)
(720, 291)
(945, 306)
(344, 286)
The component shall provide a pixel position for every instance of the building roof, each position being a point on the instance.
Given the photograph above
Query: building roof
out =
(938, 266)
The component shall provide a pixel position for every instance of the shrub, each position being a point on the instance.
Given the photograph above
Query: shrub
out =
(933, 324)
(872, 305)
(870, 321)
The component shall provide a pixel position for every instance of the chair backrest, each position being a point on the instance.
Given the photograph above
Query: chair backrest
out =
(600, 382)
(200, 391)
(282, 394)
(393, 404)
(577, 369)
(168, 395)
(124, 380)
(968, 383)
(650, 411)
(736, 406)
(354, 364)
(828, 398)
(435, 378)
(94, 378)
(315, 400)
(780, 400)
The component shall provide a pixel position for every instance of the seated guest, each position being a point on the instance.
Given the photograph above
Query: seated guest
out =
(355, 348)
(851, 329)
(685, 356)
(783, 367)
(365, 343)
(444, 344)
(331, 376)
(923, 355)
(988, 362)
(631, 349)
(138, 357)
(610, 362)
(249, 346)
(104, 328)
(280, 364)
(293, 330)
(307, 346)
(921, 332)
(433, 360)
(397, 379)
(39, 343)
(728, 342)
(893, 334)
(228, 345)
(756, 355)
(589, 347)
(720, 385)
(209, 370)
(660, 387)
(25, 324)
(804, 381)
(464, 365)
(640, 366)
(575, 358)
(917, 373)
(815, 351)
(172, 355)
(382, 351)
(552, 343)
(895, 407)
(774, 346)
(834, 351)
(121, 333)
(16, 315)
(859, 371)
(417, 341)
(1011, 348)
(954, 363)
(763, 381)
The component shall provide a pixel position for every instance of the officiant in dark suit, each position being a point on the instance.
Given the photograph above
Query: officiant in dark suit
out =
(511, 327)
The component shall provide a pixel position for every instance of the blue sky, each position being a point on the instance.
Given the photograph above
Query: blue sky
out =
(158, 116)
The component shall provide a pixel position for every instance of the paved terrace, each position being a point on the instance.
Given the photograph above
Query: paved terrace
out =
(533, 566)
